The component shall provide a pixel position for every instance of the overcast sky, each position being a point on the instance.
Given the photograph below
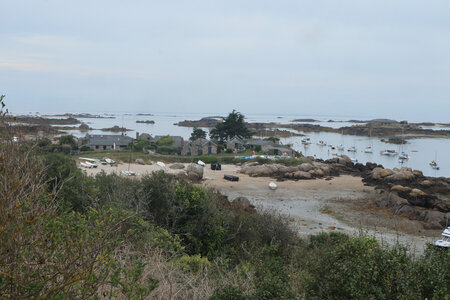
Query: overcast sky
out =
(354, 58)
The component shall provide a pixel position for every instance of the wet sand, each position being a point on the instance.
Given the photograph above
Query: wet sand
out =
(342, 204)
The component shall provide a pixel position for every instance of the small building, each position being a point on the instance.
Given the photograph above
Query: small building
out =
(178, 140)
(199, 147)
(146, 137)
(101, 142)
(277, 149)
(235, 143)
(257, 143)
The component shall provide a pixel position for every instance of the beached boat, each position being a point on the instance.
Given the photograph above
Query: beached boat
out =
(445, 239)
(368, 150)
(91, 164)
(129, 173)
(109, 160)
(272, 186)
(389, 152)
(85, 165)
(352, 149)
(321, 143)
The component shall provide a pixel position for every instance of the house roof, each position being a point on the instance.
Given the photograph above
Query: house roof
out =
(259, 143)
(200, 142)
(145, 136)
(108, 140)
(236, 139)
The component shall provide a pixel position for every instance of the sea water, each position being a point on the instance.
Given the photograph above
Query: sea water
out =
(421, 150)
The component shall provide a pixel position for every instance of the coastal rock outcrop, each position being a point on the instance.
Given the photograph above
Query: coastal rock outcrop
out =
(177, 166)
(194, 172)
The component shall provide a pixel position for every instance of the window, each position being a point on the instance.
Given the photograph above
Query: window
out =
(96, 147)
(209, 150)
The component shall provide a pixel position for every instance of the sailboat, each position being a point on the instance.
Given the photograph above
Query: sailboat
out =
(403, 155)
(352, 149)
(369, 149)
(434, 164)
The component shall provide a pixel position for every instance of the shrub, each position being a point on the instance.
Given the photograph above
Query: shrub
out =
(85, 148)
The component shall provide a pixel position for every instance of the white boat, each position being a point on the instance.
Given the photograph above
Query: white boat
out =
(321, 143)
(129, 173)
(352, 149)
(368, 150)
(201, 163)
(340, 147)
(403, 156)
(354, 160)
(445, 239)
(306, 141)
(272, 186)
(109, 160)
(389, 152)
(85, 165)
(434, 165)
(91, 164)
(161, 164)
(89, 159)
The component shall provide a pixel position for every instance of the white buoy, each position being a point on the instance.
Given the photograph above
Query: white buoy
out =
(201, 163)
(272, 185)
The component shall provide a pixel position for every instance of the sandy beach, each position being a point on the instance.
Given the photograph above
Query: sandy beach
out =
(342, 204)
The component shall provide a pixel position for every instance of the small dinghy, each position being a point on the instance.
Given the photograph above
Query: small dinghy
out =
(201, 163)
(272, 186)
(161, 164)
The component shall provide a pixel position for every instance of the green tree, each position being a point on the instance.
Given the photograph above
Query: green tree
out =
(165, 141)
(197, 133)
(233, 125)
(67, 140)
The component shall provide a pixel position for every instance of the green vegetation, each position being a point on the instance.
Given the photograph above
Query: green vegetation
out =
(64, 235)
(232, 125)
(197, 133)
(166, 141)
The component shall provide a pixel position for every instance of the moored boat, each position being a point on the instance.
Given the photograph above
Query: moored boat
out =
(403, 156)
(368, 150)
(321, 143)
(389, 152)
(306, 141)
(352, 149)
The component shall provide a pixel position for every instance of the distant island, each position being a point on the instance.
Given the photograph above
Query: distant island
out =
(115, 129)
(146, 122)
(82, 115)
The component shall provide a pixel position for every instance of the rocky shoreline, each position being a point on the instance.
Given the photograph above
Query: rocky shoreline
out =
(390, 129)
(406, 192)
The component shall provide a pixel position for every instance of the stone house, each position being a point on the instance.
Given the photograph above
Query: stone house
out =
(101, 142)
(235, 143)
(199, 147)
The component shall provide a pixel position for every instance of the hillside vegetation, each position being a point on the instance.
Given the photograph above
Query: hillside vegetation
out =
(64, 235)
